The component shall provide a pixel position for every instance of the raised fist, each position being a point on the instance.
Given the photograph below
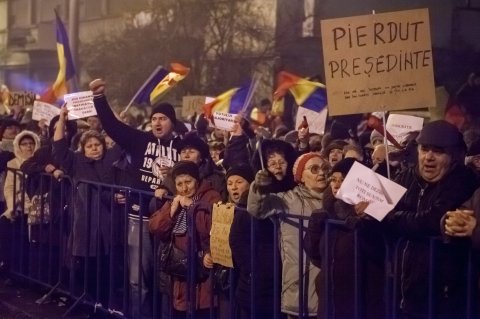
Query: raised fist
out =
(263, 178)
(97, 86)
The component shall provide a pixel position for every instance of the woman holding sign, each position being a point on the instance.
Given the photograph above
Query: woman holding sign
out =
(170, 223)
(92, 218)
(261, 277)
(338, 266)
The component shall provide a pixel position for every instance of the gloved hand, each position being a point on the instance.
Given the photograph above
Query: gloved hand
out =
(263, 179)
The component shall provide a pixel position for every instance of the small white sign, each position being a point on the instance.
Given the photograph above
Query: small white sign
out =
(224, 121)
(188, 126)
(44, 111)
(399, 125)
(316, 120)
(364, 185)
(80, 105)
(209, 99)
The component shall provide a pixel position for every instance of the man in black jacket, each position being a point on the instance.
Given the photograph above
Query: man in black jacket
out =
(149, 156)
(440, 182)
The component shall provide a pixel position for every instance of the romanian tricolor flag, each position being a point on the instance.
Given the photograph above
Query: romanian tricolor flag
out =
(66, 68)
(257, 116)
(308, 94)
(159, 83)
(232, 101)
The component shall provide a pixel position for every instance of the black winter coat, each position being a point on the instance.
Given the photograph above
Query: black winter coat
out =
(240, 243)
(92, 204)
(237, 151)
(339, 267)
(416, 218)
(38, 183)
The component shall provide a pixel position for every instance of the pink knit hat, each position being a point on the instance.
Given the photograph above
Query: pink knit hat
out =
(300, 163)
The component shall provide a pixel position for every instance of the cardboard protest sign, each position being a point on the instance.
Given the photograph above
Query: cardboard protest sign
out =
(44, 111)
(378, 62)
(192, 104)
(364, 185)
(399, 125)
(20, 98)
(222, 218)
(224, 121)
(316, 120)
(80, 105)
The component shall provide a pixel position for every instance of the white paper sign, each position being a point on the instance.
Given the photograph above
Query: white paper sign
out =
(399, 125)
(364, 185)
(316, 120)
(224, 121)
(44, 111)
(80, 105)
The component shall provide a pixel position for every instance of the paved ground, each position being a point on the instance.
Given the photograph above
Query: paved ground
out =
(18, 301)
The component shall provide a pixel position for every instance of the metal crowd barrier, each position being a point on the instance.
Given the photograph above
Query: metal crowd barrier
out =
(108, 289)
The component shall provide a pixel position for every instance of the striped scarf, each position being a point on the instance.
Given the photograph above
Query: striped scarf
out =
(180, 227)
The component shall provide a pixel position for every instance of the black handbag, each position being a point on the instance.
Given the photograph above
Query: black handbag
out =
(221, 279)
(174, 262)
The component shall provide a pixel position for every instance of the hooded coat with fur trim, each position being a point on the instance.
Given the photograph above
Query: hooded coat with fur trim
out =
(13, 194)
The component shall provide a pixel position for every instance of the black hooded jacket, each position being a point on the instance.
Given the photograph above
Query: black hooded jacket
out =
(290, 154)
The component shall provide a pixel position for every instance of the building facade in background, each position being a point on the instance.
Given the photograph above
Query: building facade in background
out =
(27, 35)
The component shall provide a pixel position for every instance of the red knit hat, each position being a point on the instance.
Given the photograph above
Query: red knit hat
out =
(300, 163)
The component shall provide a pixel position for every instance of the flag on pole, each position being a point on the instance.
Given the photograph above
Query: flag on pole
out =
(178, 72)
(142, 97)
(308, 94)
(66, 69)
(232, 101)
(159, 83)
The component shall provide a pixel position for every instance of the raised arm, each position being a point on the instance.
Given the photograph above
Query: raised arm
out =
(124, 135)
(261, 203)
(61, 153)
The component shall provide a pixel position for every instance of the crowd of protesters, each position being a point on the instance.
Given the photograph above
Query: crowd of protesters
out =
(266, 169)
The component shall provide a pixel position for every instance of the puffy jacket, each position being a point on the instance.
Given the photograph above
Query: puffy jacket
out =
(298, 201)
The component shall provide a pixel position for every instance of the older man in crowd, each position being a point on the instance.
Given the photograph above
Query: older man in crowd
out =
(440, 182)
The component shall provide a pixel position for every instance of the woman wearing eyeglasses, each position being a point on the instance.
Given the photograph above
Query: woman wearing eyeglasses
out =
(340, 264)
(278, 158)
(24, 145)
(310, 172)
